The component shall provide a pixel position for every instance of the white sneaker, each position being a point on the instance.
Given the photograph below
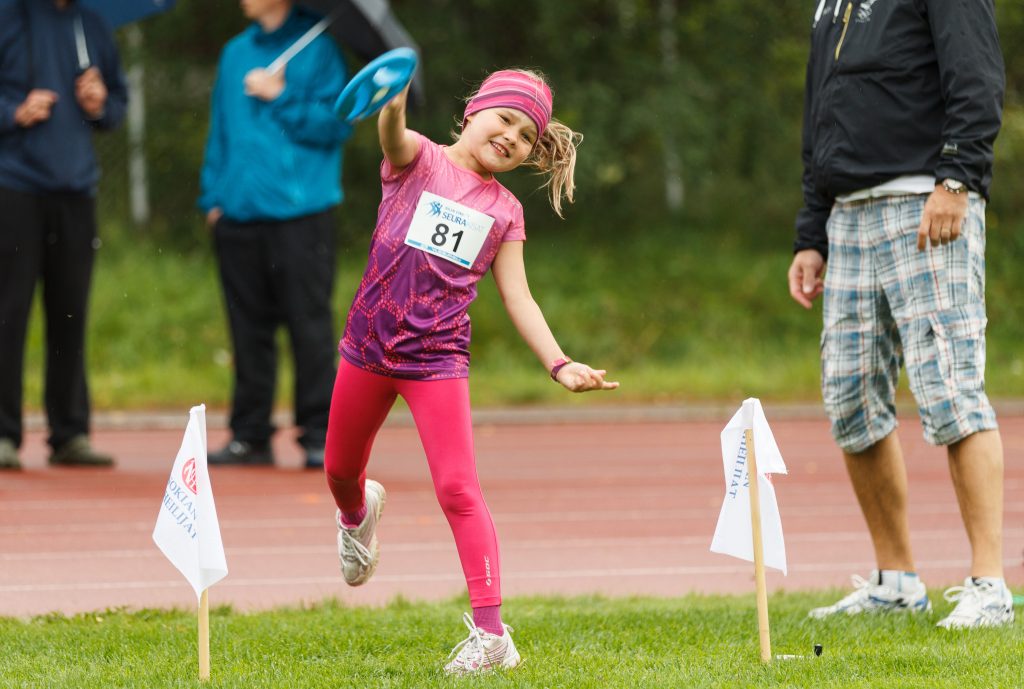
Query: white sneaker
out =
(870, 596)
(979, 604)
(482, 651)
(358, 550)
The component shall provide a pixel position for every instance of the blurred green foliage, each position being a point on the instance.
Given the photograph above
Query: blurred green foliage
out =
(716, 85)
(720, 81)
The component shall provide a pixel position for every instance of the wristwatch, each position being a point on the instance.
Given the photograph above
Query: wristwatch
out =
(954, 186)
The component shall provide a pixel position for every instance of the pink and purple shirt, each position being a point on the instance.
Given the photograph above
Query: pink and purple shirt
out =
(409, 317)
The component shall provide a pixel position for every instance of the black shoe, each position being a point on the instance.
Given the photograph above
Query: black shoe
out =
(78, 452)
(314, 458)
(242, 452)
(8, 455)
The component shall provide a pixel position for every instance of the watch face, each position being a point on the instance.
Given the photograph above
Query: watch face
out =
(953, 185)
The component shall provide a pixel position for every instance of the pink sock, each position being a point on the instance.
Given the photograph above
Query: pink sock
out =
(488, 618)
(351, 520)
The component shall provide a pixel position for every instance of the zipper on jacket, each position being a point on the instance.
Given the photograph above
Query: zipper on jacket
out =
(846, 25)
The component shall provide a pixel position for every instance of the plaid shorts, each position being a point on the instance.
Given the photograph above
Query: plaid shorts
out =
(888, 305)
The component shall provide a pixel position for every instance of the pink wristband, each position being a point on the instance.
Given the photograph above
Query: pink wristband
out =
(557, 366)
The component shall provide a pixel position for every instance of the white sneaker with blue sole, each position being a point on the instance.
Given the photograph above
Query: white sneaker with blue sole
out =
(979, 603)
(870, 596)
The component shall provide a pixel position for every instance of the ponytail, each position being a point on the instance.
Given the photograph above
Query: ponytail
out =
(554, 155)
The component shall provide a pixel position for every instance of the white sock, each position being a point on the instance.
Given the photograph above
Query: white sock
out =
(997, 583)
(897, 579)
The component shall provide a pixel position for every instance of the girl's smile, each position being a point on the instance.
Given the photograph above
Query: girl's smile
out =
(502, 151)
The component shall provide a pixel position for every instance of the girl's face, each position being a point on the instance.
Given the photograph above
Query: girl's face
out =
(498, 139)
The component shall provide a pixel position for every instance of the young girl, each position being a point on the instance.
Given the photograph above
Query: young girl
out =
(443, 221)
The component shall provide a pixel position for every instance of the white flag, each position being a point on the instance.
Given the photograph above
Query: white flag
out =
(733, 535)
(187, 530)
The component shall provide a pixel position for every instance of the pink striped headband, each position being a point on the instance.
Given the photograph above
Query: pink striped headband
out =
(509, 89)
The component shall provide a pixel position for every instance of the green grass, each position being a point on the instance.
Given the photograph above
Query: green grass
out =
(703, 319)
(695, 641)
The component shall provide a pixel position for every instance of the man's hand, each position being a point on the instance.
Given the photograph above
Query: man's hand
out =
(212, 216)
(805, 281)
(36, 108)
(259, 83)
(91, 93)
(944, 214)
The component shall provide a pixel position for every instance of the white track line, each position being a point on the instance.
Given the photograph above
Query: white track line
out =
(426, 496)
(598, 516)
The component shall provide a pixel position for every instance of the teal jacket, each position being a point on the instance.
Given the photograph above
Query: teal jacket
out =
(277, 160)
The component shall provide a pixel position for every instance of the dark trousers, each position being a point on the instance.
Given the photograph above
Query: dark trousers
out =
(279, 273)
(47, 236)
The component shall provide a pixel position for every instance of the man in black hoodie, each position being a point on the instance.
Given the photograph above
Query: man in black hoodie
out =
(60, 80)
(903, 104)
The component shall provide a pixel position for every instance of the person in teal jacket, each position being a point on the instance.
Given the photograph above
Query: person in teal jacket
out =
(270, 182)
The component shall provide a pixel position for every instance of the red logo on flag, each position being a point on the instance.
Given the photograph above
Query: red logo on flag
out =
(188, 475)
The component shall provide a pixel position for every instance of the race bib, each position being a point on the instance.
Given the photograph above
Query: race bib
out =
(448, 230)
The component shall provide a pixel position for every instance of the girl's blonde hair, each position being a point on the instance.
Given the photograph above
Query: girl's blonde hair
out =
(553, 154)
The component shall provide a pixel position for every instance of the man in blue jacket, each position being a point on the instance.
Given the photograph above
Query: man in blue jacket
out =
(903, 104)
(269, 184)
(60, 80)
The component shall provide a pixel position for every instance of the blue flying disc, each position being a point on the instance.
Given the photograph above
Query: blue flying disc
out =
(375, 84)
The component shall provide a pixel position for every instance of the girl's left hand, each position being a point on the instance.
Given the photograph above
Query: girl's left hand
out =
(578, 377)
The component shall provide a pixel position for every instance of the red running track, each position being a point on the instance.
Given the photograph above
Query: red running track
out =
(617, 508)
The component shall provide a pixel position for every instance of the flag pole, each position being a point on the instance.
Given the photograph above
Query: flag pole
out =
(204, 636)
(755, 527)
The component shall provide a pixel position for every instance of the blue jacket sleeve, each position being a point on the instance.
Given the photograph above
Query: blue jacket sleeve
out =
(213, 159)
(7, 108)
(305, 109)
(113, 77)
(12, 91)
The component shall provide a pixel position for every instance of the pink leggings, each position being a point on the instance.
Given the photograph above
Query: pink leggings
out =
(440, 409)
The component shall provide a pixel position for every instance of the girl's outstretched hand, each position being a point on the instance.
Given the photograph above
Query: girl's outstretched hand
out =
(578, 377)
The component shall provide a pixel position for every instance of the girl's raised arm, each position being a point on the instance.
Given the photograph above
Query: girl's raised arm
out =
(399, 144)
(510, 276)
